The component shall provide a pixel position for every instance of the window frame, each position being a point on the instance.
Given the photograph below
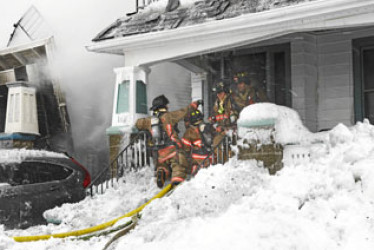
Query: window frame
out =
(358, 47)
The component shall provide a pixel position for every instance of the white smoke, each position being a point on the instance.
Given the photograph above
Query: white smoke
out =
(86, 78)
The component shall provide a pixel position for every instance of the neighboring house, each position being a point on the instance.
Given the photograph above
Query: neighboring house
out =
(314, 56)
(33, 111)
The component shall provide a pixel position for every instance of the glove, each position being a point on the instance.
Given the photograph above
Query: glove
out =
(219, 129)
(212, 119)
(233, 118)
(200, 102)
(195, 104)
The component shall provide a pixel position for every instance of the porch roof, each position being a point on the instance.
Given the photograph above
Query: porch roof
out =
(15, 56)
(153, 20)
(191, 40)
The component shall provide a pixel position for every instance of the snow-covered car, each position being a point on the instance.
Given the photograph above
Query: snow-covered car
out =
(33, 181)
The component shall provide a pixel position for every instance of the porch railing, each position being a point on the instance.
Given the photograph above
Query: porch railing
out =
(133, 157)
(137, 155)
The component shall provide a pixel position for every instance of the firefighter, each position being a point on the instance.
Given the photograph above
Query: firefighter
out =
(223, 115)
(197, 141)
(246, 94)
(170, 161)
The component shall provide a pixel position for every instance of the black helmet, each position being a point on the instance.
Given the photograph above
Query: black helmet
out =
(159, 102)
(196, 116)
(241, 77)
(222, 87)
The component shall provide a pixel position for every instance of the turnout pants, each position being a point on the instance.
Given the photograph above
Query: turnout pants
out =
(173, 162)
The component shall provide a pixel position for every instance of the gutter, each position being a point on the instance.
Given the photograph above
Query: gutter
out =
(295, 18)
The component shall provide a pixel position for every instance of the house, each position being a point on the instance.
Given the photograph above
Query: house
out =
(314, 56)
(33, 111)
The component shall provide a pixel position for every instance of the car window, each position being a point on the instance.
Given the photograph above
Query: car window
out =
(3, 175)
(12, 174)
(31, 173)
(52, 172)
(24, 174)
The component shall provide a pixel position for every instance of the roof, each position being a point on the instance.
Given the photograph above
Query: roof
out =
(200, 12)
(174, 44)
(16, 56)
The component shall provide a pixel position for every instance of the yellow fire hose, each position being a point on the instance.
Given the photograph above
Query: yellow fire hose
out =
(94, 228)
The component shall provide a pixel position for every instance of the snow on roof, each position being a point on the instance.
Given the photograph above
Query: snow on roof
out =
(289, 128)
(18, 155)
(190, 12)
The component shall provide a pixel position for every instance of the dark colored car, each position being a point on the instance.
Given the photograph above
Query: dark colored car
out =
(35, 184)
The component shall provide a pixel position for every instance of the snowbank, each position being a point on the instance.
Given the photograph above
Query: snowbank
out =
(289, 128)
(18, 155)
(326, 203)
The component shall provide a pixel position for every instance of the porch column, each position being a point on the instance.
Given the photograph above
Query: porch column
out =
(129, 104)
(21, 115)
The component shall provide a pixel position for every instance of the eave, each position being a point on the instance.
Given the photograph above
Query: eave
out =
(28, 53)
(246, 29)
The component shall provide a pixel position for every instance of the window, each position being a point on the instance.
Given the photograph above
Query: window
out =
(3, 106)
(32, 172)
(141, 97)
(363, 64)
(123, 97)
(51, 172)
(16, 174)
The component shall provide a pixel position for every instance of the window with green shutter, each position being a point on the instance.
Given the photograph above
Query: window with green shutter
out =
(123, 97)
(141, 97)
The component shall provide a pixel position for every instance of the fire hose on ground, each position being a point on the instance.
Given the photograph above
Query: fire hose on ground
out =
(96, 228)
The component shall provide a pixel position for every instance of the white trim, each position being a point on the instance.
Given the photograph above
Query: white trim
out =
(26, 46)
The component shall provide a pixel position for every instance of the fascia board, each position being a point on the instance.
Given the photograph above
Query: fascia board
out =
(295, 18)
(26, 46)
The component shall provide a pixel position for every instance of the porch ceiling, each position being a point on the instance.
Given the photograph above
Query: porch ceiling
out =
(220, 35)
(29, 53)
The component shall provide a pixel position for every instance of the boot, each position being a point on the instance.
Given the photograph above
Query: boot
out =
(160, 178)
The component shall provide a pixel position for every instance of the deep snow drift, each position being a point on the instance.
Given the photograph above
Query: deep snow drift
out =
(324, 203)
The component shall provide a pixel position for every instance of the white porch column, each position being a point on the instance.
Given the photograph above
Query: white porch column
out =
(21, 116)
(200, 90)
(130, 98)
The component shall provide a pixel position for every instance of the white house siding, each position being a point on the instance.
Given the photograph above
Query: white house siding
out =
(336, 80)
(336, 77)
(173, 81)
(322, 76)
(304, 78)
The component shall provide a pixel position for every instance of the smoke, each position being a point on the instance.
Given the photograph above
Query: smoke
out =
(86, 78)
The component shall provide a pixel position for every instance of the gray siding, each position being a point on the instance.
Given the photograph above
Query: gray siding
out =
(304, 78)
(322, 77)
(174, 82)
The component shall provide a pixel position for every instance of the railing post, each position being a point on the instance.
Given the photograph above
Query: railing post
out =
(145, 150)
(139, 153)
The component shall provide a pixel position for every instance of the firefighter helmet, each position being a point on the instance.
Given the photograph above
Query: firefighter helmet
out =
(242, 77)
(221, 86)
(196, 116)
(159, 102)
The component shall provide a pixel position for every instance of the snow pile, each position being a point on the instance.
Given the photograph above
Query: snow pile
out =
(287, 123)
(18, 155)
(326, 203)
